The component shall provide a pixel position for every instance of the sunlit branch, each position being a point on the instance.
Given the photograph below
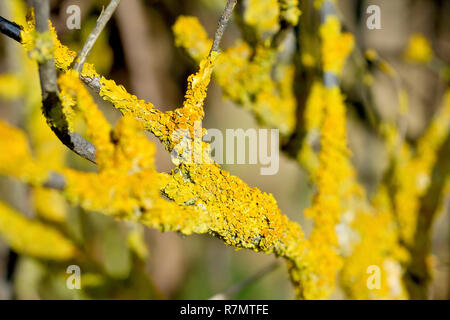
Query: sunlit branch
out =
(101, 23)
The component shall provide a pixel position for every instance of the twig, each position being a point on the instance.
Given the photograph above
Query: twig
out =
(49, 88)
(223, 22)
(101, 23)
(238, 287)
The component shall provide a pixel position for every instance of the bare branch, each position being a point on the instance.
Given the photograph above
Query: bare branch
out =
(101, 23)
(50, 100)
(223, 22)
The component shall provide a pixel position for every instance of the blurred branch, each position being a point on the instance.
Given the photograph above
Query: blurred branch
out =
(48, 77)
(329, 78)
(101, 23)
(418, 275)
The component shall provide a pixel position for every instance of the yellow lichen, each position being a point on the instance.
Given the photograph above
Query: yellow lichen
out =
(419, 49)
(313, 115)
(250, 77)
(10, 87)
(33, 238)
(190, 34)
(45, 46)
(263, 15)
(336, 46)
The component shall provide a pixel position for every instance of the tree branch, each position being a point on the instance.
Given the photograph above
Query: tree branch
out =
(101, 23)
(49, 88)
(223, 22)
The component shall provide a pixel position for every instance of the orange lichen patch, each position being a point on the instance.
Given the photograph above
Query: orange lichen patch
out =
(335, 183)
(74, 94)
(336, 46)
(263, 16)
(251, 79)
(313, 116)
(242, 216)
(163, 125)
(15, 156)
(46, 46)
(289, 11)
(48, 151)
(190, 34)
(413, 171)
(128, 187)
(33, 238)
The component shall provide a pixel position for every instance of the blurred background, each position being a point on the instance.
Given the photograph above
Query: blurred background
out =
(137, 50)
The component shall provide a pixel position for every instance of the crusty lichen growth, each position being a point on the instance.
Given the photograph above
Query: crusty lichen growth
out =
(44, 46)
(127, 185)
(251, 77)
(33, 238)
(10, 87)
(242, 216)
(263, 16)
(289, 11)
(205, 198)
(161, 124)
(350, 233)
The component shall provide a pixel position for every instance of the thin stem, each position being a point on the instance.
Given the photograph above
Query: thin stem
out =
(101, 23)
(223, 22)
